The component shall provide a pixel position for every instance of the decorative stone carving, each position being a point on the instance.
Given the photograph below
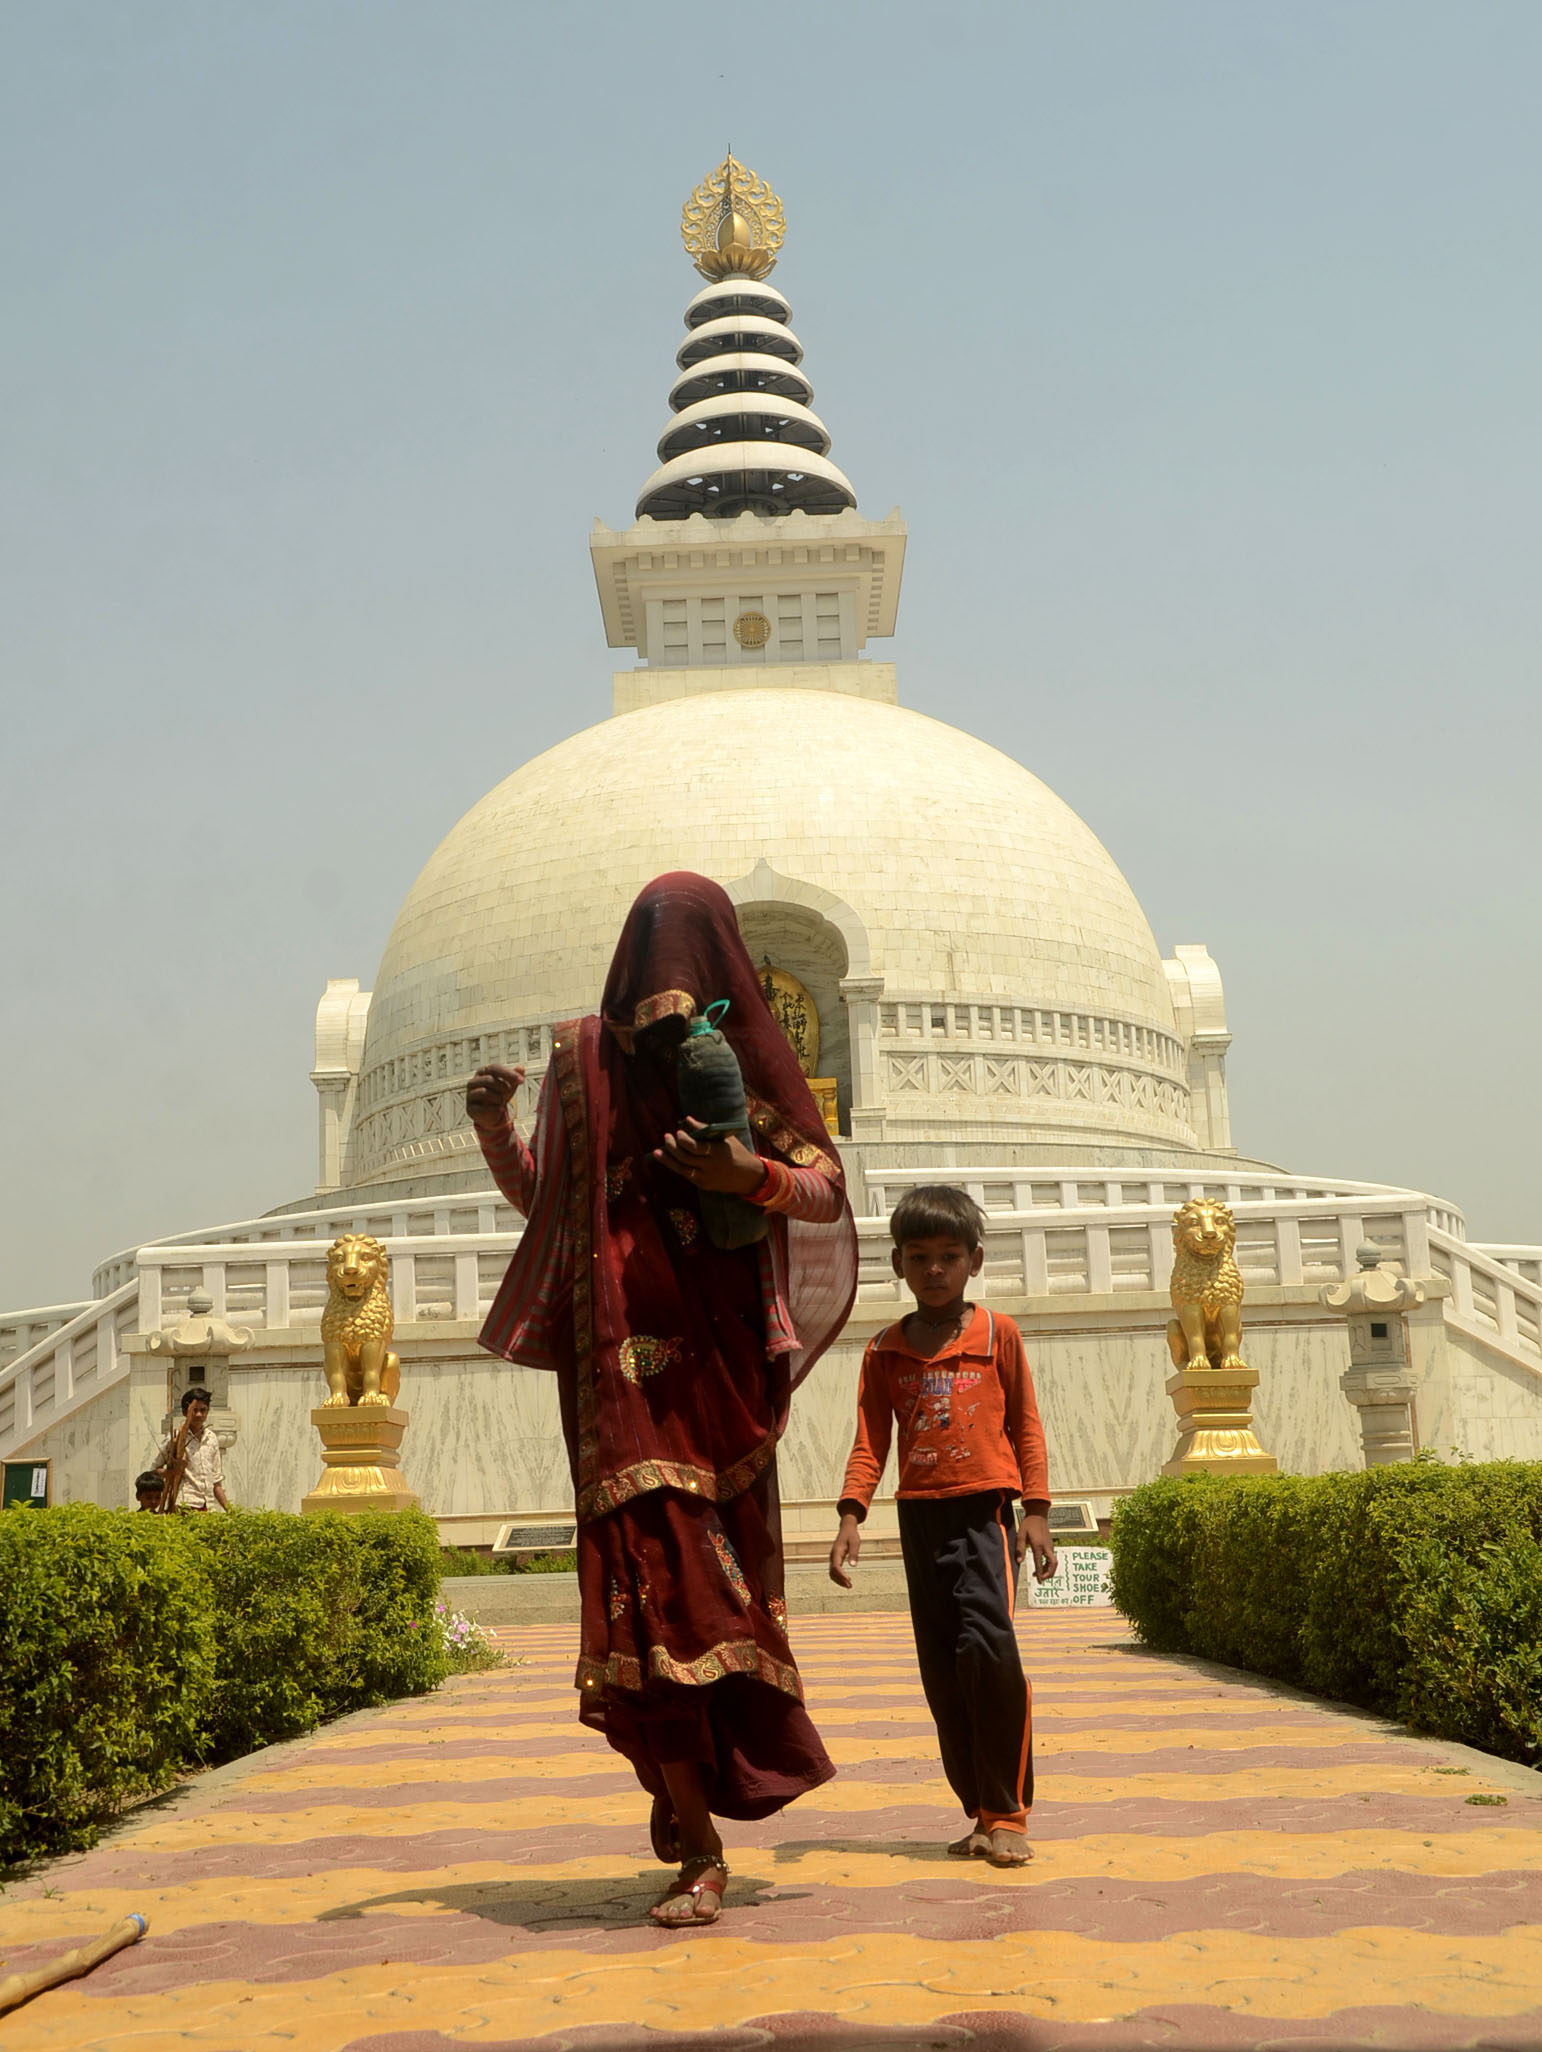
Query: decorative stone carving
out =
(197, 1353)
(1379, 1380)
(794, 1010)
(1212, 1387)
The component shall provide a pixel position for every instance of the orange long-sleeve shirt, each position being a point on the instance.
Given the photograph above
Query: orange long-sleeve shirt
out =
(968, 1417)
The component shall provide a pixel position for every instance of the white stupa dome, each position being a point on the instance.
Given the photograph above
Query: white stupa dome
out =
(1019, 992)
(979, 973)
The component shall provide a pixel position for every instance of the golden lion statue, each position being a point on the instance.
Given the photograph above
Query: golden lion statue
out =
(1206, 1288)
(357, 1324)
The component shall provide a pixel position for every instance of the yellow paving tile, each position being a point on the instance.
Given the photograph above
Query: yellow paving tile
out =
(847, 1796)
(595, 1756)
(878, 1980)
(299, 1899)
(839, 1700)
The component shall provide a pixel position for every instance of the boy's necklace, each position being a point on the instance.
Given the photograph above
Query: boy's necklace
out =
(937, 1324)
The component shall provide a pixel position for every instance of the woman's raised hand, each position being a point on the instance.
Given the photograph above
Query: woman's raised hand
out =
(488, 1094)
(725, 1164)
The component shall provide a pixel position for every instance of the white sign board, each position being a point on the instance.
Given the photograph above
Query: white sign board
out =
(1081, 1578)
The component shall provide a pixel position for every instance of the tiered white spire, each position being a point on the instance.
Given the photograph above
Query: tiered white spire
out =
(743, 437)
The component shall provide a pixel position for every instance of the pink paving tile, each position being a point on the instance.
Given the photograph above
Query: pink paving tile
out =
(1170, 2028)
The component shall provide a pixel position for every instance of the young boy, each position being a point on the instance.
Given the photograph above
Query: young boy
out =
(957, 1380)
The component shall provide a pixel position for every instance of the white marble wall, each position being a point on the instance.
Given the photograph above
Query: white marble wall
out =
(1496, 1407)
(824, 1417)
(91, 1453)
(485, 1436)
(481, 1437)
(1106, 1413)
(484, 1439)
(277, 1457)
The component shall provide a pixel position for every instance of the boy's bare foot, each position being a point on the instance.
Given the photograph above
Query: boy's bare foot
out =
(1007, 1848)
(974, 1845)
(697, 1896)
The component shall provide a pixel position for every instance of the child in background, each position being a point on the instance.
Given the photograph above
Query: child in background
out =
(970, 1441)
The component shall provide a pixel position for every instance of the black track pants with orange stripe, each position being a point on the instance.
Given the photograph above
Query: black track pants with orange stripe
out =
(962, 1582)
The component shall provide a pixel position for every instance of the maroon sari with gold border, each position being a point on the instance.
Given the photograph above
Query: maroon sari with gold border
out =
(675, 1364)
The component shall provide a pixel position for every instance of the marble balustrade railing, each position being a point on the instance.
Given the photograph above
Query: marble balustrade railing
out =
(1073, 1189)
(445, 1277)
(21, 1330)
(1005, 1190)
(1491, 1300)
(476, 1211)
(1525, 1260)
(279, 1286)
(67, 1368)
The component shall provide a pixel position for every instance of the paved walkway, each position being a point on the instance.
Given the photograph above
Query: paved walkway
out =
(1219, 1864)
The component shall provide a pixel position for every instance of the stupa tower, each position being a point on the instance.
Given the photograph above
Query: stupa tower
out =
(743, 438)
(748, 549)
(969, 975)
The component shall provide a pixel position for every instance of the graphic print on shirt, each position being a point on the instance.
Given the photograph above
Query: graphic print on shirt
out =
(934, 1408)
(993, 1438)
(934, 1405)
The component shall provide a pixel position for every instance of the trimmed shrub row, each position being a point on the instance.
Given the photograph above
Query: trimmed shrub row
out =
(1415, 1590)
(132, 1646)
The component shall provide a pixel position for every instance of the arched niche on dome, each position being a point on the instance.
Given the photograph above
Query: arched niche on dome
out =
(815, 938)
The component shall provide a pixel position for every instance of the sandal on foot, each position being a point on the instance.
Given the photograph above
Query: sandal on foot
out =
(974, 1845)
(705, 1893)
(1007, 1848)
(664, 1832)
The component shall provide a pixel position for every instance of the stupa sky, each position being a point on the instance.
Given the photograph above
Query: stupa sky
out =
(1196, 344)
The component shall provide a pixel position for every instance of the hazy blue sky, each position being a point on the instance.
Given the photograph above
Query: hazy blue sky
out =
(1198, 344)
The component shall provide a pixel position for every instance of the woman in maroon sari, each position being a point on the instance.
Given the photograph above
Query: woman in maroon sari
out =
(675, 1362)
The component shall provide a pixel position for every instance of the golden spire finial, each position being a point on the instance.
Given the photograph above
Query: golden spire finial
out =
(733, 223)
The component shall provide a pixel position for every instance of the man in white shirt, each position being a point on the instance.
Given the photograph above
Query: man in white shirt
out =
(192, 1455)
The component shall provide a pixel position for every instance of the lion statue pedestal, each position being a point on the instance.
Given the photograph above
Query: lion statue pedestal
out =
(1212, 1390)
(361, 1428)
(361, 1452)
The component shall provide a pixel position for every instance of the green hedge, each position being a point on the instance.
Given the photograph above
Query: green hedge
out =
(315, 1615)
(1415, 1590)
(133, 1646)
(397, 1650)
(107, 1654)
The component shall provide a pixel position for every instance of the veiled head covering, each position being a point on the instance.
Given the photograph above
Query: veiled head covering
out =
(680, 951)
(592, 1268)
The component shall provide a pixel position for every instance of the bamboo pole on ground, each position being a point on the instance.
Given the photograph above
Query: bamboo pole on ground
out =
(18, 1988)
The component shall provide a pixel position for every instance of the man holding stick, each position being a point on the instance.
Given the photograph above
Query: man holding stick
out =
(190, 1460)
